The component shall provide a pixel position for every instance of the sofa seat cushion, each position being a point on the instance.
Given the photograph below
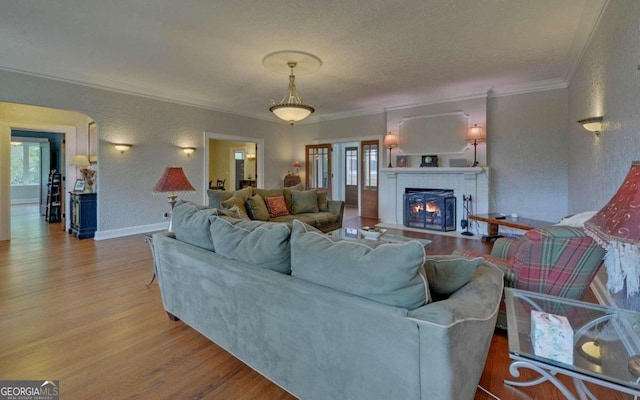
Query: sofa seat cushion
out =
(288, 219)
(383, 272)
(323, 218)
(446, 274)
(264, 244)
(191, 224)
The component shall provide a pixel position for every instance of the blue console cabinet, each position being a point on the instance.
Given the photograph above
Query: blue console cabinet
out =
(83, 214)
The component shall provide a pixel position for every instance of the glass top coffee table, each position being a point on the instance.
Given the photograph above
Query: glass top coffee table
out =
(606, 343)
(354, 234)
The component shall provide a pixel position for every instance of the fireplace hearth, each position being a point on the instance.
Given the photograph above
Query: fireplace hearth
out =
(431, 209)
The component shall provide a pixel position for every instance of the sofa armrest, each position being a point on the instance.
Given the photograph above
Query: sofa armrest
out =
(336, 207)
(504, 248)
(504, 265)
(455, 335)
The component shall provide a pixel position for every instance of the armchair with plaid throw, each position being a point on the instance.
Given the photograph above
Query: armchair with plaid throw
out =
(557, 260)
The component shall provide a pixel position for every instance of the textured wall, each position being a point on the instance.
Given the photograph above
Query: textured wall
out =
(156, 129)
(607, 83)
(527, 152)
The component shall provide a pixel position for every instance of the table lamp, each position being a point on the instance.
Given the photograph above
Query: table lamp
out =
(390, 141)
(475, 135)
(616, 227)
(297, 165)
(173, 181)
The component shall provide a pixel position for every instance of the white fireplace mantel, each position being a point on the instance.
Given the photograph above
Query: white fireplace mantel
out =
(473, 181)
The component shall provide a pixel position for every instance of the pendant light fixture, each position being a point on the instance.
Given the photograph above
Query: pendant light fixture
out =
(291, 108)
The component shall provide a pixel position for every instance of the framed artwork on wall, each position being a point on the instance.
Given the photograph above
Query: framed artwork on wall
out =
(93, 143)
(401, 161)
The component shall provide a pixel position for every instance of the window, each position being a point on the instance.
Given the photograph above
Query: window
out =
(25, 164)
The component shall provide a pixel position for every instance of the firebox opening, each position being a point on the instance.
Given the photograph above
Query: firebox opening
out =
(432, 209)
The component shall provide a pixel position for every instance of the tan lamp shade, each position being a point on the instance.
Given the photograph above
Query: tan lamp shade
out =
(390, 141)
(476, 134)
(80, 160)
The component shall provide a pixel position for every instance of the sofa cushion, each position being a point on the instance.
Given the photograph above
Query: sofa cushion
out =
(256, 208)
(191, 224)
(287, 193)
(264, 193)
(233, 212)
(323, 204)
(263, 244)
(446, 274)
(308, 219)
(238, 203)
(216, 197)
(383, 272)
(276, 206)
(304, 201)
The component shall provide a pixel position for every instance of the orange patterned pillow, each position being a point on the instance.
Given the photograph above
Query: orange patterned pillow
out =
(277, 206)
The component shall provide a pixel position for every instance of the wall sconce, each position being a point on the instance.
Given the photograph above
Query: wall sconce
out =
(122, 147)
(592, 124)
(188, 150)
(251, 156)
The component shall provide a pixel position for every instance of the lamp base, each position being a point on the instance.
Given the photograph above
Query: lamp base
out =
(172, 201)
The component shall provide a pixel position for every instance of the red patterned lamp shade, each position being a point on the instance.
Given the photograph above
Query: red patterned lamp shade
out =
(617, 228)
(173, 181)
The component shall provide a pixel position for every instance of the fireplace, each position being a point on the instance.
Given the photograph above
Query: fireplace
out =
(432, 209)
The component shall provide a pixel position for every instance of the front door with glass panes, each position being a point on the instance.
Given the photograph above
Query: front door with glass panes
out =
(369, 175)
(318, 172)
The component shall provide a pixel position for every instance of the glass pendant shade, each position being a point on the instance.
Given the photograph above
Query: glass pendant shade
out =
(291, 108)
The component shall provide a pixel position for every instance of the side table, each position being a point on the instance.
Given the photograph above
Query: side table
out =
(149, 239)
(614, 331)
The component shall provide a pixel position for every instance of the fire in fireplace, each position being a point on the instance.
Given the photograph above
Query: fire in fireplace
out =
(433, 209)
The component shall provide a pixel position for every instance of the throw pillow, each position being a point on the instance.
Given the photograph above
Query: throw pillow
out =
(237, 202)
(257, 208)
(263, 244)
(277, 206)
(384, 272)
(323, 205)
(216, 197)
(287, 194)
(304, 201)
(233, 212)
(190, 223)
(446, 274)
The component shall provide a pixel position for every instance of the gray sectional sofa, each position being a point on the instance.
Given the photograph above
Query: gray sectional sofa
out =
(326, 318)
(308, 206)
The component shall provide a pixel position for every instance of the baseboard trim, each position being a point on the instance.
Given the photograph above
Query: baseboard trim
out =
(134, 230)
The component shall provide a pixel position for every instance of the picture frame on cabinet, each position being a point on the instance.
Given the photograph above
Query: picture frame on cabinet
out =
(79, 186)
(401, 161)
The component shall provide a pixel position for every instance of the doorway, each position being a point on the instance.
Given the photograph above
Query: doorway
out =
(369, 176)
(318, 171)
(351, 176)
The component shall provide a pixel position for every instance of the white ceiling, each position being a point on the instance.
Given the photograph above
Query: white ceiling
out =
(376, 54)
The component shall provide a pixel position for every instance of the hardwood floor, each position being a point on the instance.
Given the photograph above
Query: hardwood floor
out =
(78, 311)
